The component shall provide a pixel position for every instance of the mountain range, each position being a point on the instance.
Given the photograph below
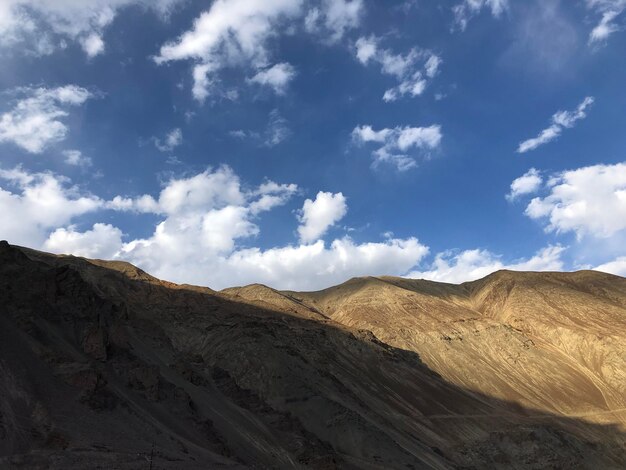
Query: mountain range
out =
(104, 366)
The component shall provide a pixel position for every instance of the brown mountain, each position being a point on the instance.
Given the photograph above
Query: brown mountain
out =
(104, 366)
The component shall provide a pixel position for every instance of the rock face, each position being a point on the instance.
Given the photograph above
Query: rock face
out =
(104, 366)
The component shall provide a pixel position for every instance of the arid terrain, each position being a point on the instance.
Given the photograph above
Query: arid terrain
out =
(104, 366)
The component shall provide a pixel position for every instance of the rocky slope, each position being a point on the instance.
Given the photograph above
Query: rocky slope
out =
(104, 366)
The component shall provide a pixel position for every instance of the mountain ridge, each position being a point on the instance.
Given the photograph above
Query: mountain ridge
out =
(103, 366)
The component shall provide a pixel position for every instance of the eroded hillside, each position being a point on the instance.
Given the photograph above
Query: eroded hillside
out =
(552, 341)
(104, 366)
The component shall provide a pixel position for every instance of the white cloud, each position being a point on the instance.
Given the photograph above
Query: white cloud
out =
(102, 241)
(275, 132)
(43, 26)
(238, 134)
(34, 122)
(238, 34)
(397, 141)
(208, 216)
(142, 205)
(366, 49)
(467, 9)
(432, 65)
(271, 195)
(277, 77)
(545, 136)
(560, 121)
(587, 201)
(318, 216)
(334, 17)
(93, 45)
(470, 265)
(413, 70)
(609, 10)
(203, 221)
(617, 267)
(211, 190)
(172, 140)
(231, 33)
(316, 266)
(528, 183)
(204, 217)
(76, 158)
(33, 203)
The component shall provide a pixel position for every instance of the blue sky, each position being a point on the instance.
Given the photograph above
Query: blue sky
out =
(300, 143)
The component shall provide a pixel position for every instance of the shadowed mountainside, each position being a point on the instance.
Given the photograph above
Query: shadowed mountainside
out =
(104, 366)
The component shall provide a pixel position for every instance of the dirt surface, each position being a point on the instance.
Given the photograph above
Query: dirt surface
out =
(103, 366)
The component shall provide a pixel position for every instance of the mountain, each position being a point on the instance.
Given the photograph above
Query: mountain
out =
(105, 366)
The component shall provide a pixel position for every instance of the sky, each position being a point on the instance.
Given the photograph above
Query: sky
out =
(301, 143)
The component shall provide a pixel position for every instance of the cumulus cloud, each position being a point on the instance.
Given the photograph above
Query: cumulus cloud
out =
(172, 140)
(43, 26)
(528, 183)
(203, 216)
(316, 266)
(276, 77)
(203, 223)
(617, 267)
(396, 142)
(102, 241)
(560, 120)
(76, 158)
(334, 17)
(467, 9)
(318, 216)
(469, 265)
(93, 45)
(230, 33)
(35, 121)
(33, 203)
(208, 217)
(141, 205)
(238, 34)
(413, 70)
(587, 201)
(609, 11)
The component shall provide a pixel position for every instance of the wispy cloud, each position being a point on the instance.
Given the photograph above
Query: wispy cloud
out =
(276, 131)
(172, 140)
(467, 9)
(609, 11)
(41, 27)
(333, 18)
(76, 158)
(395, 143)
(35, 121)
(560, 120)
(276, 77)
(238, 33)
(413, 70)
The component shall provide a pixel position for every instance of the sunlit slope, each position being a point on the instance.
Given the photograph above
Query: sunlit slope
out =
(553, 341)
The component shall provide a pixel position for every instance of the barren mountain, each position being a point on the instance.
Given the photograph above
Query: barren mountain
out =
(104, 366)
